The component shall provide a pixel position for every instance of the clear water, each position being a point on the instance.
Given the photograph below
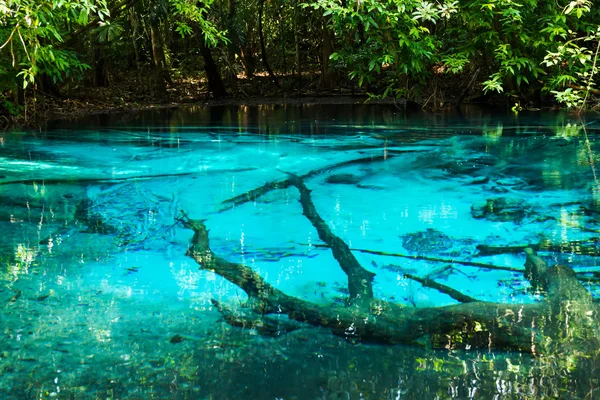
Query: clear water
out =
(95, 282)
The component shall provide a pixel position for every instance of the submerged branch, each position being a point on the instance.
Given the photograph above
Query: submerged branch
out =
(263, 324)
(455, 294)
(52, 181)
(582, 247)
(535, 269)
(433, 259)
(360, 281)
(258, 192)
(465, 263)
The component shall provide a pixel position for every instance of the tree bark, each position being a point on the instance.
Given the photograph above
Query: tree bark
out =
(247, 50)
(234, 42)
(282, 39)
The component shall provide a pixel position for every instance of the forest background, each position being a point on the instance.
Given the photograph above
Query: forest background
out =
(64, 57)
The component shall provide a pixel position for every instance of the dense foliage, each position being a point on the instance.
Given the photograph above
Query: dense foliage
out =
(530, 51)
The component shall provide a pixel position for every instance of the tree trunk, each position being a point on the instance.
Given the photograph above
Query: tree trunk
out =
(48, 86)
(100, 76)
(215, 82)
(328, 75)
(161, 74)
(136, 51)
(247, 48)
(234, 42)
(281, 38)
(248, 60)
(296, 41)
(19, 93)
(261, 6)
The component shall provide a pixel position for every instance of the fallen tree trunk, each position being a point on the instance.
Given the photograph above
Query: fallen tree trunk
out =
(378, 321)
(567, 311)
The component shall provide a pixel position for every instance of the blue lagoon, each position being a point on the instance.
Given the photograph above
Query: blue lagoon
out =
(109, 290)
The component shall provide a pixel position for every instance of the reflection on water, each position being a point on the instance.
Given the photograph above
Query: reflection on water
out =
(99, 299)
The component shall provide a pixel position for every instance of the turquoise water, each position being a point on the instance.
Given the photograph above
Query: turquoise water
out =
(99, 299)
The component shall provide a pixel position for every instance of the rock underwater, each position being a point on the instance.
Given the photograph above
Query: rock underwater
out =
(501, 209)
(429, 241)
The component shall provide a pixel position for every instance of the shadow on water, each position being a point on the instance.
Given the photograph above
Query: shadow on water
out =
(100, 300)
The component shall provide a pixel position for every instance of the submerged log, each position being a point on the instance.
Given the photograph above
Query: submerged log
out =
(565, 320)
(535, 269)
(525, 327)
(263, 324)
(376, 321)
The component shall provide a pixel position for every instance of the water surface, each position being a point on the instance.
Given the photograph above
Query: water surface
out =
(99, 299)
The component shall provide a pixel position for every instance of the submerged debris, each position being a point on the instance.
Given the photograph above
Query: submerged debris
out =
(501, 209)
(176, 339)
(429, 241)
(345, 179)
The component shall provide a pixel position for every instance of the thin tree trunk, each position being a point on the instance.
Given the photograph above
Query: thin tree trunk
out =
(100, 78)
(161, 75)
(281, 38)
(261, 6)
(247, 60)
(136, 51)
(234, 42)
(247, 52)
(328, 75)
(162, 37)
(296, 40)
(215, 82)
(19, 94)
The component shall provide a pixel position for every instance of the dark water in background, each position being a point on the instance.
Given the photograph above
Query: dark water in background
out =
(100, 301)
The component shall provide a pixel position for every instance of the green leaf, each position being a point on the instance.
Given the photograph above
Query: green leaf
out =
(82, 19)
